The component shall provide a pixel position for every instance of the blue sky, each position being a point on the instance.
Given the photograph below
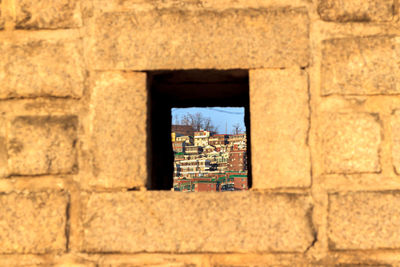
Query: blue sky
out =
(222, 117)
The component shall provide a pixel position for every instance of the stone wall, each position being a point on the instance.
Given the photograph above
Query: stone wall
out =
(325, 132)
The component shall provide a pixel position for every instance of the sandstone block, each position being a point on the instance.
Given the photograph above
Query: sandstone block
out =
(280, 155)
(33, 222)
(3, 147)
(360, 66)
(364, 220)
(47, 14)
(42, 145)
(203, 222)
(190, 39)
(41, 68)
(356, 10)
(350, 143)
(119, 102)
(396, 140)
(1, 18)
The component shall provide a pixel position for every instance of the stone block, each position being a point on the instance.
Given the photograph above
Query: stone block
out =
(395, 121)
(40, 145)
(1, 18)
(364, 220)
(198, 39)
(350, 143)
(279, 128)
(3, 147)
(356, 10)
(33, 222)
(119, 102)
(39, 68)
(360, 66)
(47, 14)
(162, 221)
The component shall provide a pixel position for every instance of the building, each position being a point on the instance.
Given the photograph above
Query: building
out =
(218, 140)
(193, 167)
(185, 138)
(173, 137)
(239, 179)
(201, 138)
(212, 183)
(186, 130)
(208, 149)
(237, 142)
(237, 160)
(178, 147)
(222, 167)
(193, 150)
(177, 170)
(197, 184)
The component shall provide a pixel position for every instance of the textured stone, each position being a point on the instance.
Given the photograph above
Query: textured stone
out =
(203, 222)
(1, 18)
(3, 147)
(279, 128)
(41, 68)
(360, 66)
(119, 102)
(47, 14)
(183, 39)
(152, 260)
(350, 143)
(33, 222)
(42, 145)
(356, 10)
(396, 140)
(364, 220)
(194, 4)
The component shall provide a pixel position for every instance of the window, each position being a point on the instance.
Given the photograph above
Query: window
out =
(183, 89)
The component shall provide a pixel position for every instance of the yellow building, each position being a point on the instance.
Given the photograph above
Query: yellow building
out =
(173, 136)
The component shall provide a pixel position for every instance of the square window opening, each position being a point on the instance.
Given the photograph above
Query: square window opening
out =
(184, 89)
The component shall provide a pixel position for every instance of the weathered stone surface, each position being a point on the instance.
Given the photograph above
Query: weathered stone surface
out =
(153, 260)
(396, 140)
(360, 66)
(178, 39)
(41, 68)
(202, 222)
(33, 222)
(3, 147)
(112, 5)
(119, 102)
(350, 142)
(364, 220)
(279, 128)
(356, 10)
(1, 18)
(42, 145)
(47, 14)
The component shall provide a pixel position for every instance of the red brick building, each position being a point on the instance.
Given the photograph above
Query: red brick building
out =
(182, 129)
(231, 181)
(237, 161)
(198, 184)
(240, 182)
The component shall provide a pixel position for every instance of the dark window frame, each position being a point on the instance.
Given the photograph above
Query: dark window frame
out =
(188, 88)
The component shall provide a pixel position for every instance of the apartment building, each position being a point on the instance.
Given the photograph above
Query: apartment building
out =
(201, 138)
(207, 162)
(237, 160)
